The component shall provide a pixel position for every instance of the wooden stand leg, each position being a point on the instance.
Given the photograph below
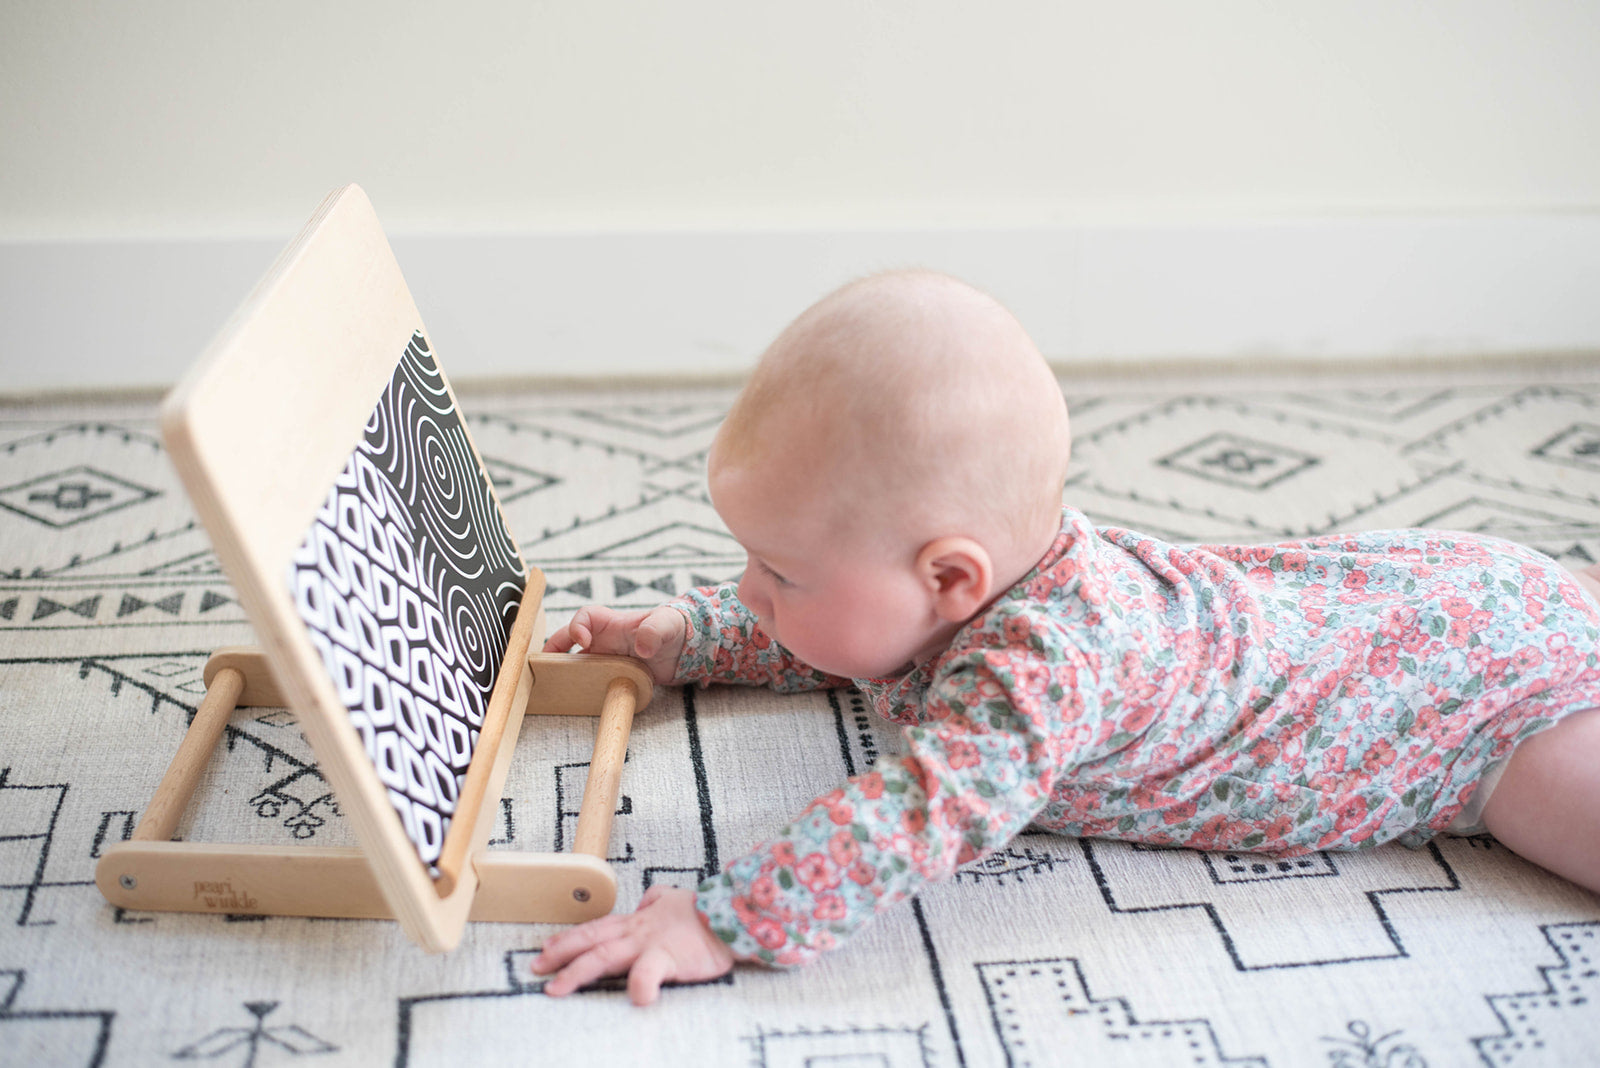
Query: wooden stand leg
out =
(605, 769)
(568, 684)
(161, 816)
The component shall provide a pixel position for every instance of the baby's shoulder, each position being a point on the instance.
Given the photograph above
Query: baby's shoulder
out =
(1019, 628)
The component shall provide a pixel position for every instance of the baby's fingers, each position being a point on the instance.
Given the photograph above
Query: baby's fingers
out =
(654, 966)
(577, 631)
(582, 626)
(599, 629)
(561, 641)
(575, 940)
(608, 958)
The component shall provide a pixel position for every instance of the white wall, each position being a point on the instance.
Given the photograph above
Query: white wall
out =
(159, 142)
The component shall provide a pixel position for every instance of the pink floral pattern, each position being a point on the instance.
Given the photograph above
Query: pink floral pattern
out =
(1336, 693)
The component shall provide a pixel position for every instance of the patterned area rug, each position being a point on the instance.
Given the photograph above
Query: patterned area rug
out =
(1053, 952)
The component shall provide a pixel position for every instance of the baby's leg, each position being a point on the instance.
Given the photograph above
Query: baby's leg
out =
(1589, 579)
(1546, 807)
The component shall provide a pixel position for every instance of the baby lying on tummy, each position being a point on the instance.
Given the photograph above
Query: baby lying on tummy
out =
(894, 470)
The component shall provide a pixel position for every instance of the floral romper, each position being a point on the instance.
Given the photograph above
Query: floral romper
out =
(1335, 693)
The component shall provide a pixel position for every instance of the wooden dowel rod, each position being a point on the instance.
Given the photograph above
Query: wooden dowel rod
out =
(605, 769)
(458, 840)
(160, 819)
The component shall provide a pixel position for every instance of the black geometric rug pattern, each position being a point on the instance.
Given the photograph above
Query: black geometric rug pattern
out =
(1050, 952)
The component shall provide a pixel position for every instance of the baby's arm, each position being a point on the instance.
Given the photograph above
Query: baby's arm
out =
(726, 644)
(707, 635)
(980, 767)
(964, 789)
(663, 940)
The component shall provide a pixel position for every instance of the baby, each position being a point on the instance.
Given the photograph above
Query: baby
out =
(894, 470)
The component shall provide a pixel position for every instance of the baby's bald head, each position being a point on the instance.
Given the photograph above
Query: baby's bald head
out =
(915, 402)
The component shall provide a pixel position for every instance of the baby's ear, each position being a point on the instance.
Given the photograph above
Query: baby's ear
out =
(958, 575)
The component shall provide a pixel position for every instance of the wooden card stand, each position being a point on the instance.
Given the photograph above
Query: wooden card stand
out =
(326, 454)
(150, 871)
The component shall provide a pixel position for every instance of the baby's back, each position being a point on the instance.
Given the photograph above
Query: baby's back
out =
(1324, 693)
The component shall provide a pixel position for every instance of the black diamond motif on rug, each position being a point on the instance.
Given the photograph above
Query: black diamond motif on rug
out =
(1576, 446)
(1238, 461)
(74, 495)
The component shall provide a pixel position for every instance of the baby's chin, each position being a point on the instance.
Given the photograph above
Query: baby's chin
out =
(904, 669)
(865, 671)
(853, 663)
(880, 669)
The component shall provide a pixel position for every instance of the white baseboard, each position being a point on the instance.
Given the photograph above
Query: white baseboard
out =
(90, 315)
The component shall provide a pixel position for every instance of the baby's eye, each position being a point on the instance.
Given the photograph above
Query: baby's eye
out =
(779, 579)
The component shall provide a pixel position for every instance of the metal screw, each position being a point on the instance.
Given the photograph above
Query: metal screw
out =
(580, 894)
(127, 882)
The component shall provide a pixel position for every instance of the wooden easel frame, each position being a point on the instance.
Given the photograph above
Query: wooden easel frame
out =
(259, 430)
(150, 871)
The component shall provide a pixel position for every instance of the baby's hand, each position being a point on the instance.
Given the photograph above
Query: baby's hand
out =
(663, 940)
(654, 635)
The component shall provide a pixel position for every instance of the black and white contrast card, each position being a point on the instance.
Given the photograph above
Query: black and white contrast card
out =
(408, 581)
